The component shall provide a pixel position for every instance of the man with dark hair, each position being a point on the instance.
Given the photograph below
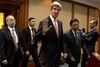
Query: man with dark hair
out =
(73, 42)
(90, 40)
(30, 44)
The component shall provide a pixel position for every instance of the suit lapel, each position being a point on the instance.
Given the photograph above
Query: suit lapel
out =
(72, 36)
(51, 24)
(59, 28)
(9, 34)
(29, 32)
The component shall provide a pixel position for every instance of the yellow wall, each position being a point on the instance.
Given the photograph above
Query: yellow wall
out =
(1, 19)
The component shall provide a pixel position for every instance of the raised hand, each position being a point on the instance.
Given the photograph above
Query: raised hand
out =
(45, 27)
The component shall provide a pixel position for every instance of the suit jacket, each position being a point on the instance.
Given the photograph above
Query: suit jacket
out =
(91, 40)
(8, 47)
(26, 36)
(0, 46)
(73, 48)
(51, 44)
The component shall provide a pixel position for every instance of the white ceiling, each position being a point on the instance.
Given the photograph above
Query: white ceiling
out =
(95, 3)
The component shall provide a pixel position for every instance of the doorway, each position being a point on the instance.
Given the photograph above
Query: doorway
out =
(1, 20)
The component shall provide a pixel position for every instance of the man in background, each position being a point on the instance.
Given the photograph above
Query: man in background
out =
(90, 41)
(30, 44)
(10, 44)
(73, 42)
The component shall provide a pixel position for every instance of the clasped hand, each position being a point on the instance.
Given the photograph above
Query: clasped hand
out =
(27, 53)
(5, 62)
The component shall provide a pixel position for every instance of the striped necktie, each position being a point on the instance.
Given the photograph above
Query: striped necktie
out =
(76, 37)
(32, 36)
(56, 27)
(14, 39)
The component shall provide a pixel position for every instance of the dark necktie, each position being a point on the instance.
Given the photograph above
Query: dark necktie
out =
(32, 36)
(76, 37)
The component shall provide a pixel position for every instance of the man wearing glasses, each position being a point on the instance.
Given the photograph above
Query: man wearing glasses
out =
(10, 43)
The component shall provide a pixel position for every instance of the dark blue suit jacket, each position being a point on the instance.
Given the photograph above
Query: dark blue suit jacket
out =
(91, 40)
(26, 36)
(73, 48)
(51, 45)
(7, 44)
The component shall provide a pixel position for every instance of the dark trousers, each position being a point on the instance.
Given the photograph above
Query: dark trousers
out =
(84, 60)
(73, 64)
(85, 56)
(52, 63)
(34, 53)
(15, 62)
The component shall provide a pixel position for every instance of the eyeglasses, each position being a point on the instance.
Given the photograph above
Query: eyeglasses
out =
(12, 19)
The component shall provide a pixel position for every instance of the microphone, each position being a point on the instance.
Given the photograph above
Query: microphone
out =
(83, 29)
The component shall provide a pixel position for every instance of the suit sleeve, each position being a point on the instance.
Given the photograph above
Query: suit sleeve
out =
(24, 34)
(2, 46)
(84, 47)
(39, 33)
(65, 43)
(93, 36)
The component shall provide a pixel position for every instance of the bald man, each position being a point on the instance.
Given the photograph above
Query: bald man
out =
(11, 45)
(90, 39)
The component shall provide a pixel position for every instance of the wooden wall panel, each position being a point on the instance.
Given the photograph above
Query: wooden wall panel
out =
(23, 15)
(65, 15)
(39, 9)
(9, 9)
(80, 13)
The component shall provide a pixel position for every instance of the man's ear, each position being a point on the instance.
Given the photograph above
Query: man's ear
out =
(95, 24)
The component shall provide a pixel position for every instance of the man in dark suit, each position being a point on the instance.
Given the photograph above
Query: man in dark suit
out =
(51, 33)
(11, 44)
(0, 47)
(73, 42)
(90, 40)
(30, 44)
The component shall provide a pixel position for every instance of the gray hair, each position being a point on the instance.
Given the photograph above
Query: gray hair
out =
(7, 18)
(56, 4)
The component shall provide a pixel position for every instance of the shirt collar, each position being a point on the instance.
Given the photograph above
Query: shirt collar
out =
(93, 29)
(74, 31)
(11, 28)
(30, 27)
(52, 18)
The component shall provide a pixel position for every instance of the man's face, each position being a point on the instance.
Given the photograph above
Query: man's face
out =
(92, 24)
(55, 11)
(11, 22)
(32, 22)
(75, 26)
